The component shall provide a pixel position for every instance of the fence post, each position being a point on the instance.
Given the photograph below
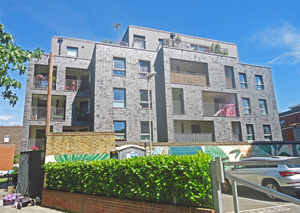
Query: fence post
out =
(217, 176)
(235, 197)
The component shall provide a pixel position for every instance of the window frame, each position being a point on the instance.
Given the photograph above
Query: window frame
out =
(245, 84)
(141, 39)
(231, 68)
(265, 109)
(259, 86)
(145, 102)
(146, 134)
(247, 107)
(267, 135)
(252, 135)
(119, 101)
(120, 134)
(115, 70)
(74, 48)
(141, 73)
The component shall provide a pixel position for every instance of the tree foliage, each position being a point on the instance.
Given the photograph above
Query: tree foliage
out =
(12, 58)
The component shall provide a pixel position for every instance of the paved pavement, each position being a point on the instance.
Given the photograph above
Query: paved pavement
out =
(27, 209)
(251, 201)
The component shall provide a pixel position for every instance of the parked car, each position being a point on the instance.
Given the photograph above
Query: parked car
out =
(281, 178)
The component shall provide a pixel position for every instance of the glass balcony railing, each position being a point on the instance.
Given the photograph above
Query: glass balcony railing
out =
(42, 83)
(77, 85)
(219, 109)
(39, 143)
(40, 113)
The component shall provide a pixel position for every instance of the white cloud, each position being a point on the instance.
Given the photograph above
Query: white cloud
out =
(287, 38)
(5, 118)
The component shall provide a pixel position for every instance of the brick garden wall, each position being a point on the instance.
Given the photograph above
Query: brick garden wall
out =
(59, 143)
(74, 202)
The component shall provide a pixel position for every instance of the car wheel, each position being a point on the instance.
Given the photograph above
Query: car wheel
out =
(226, 187)
(270, 184)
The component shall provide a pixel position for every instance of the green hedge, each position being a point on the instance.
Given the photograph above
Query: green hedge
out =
(156, 178)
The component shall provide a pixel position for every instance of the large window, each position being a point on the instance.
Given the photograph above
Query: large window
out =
(144, 68)
(263, 106)
(243, 80)
(259, 82)
(267, 132)
(119, 98)
(72, 51)
(246, 106)
(144, 99)
(139, 42)
(250, 132)
(119, 66)
(229, 77)
(120, 130)
(145, 135)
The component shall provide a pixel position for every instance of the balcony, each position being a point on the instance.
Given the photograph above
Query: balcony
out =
(82, 109)
(188, 78)
(219, 109)
(39, 143)
(40, 113)
(195, 137)
(189, 72)
(41, 73)
(77, 85)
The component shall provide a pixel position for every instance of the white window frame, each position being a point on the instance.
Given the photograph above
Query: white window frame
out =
(263, 111)
(145, 102)
(142, 73)
(243, 82)
(259, 86)
(247, 107)
(117, 102)
(267, 135)
(249, 134)
(71, 53)
(146, 134)
(120, 134)
(119, 69)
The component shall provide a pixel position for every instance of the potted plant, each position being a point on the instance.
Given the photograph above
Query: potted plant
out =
(177, 40)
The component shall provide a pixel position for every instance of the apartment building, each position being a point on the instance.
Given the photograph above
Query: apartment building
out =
(201, 92)
(290, 123)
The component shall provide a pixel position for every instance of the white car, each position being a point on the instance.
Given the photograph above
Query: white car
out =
(282, 178)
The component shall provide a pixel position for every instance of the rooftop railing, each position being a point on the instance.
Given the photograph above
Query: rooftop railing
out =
(178, 77)
(119, 43)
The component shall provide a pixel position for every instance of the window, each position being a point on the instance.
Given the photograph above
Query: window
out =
(263, 106)
(139, 42)
(194, 47)
(282, 122)
(145, 136)
(144, 68)
(119, 98)
(196, 129)
(119, 66)
(72, 51)
(267, 132)
(6, 139)
(120, 130)
(259, 82)
(229, 77)
(243, 80)
(250, 132)
(144, 99)
(246, 105)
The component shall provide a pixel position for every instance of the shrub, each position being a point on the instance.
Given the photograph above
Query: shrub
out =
(156, 178)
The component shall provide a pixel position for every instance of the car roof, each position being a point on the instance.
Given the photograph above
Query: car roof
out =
(271, 158)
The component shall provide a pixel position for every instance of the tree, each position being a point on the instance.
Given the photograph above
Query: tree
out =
(12, 58)
(117, 27)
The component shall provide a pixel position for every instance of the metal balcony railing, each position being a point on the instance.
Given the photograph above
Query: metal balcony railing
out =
(220, 109)
(188, 78)
(195, 137)
(77, 85)
(40, 113)
(120, 43)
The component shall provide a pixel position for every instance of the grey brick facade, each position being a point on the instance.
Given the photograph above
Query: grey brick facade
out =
(95, 62)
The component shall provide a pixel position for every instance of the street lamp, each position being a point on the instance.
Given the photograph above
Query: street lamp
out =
(150, 75)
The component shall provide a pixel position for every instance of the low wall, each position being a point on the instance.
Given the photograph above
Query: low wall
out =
(74, 202)
(69, 143)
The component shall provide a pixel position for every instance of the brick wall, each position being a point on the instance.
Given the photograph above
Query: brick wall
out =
(88, 203)
(15, 136)
(59, 143)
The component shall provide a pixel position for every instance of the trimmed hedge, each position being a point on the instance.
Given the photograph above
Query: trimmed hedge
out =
(156, 178)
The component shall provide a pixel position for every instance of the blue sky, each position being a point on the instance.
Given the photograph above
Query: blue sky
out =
(266, 32)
